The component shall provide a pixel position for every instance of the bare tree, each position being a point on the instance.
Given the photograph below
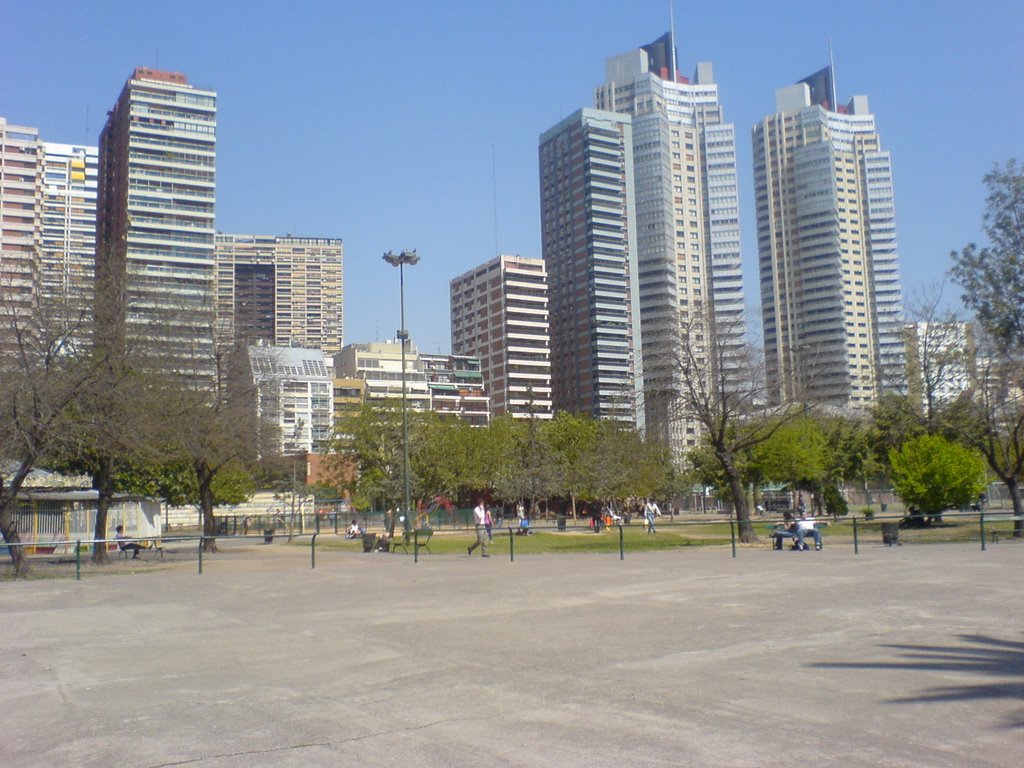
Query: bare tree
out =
(209, 420)
(43, 375)
(939, 354)
(721, 387)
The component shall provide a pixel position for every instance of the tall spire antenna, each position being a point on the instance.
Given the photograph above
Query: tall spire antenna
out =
(832, 76)
(672, 35)
(494, 197)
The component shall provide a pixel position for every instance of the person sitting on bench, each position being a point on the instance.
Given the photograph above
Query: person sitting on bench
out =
(125, 544)
(354, 531)
(784, 530)
(805, 527)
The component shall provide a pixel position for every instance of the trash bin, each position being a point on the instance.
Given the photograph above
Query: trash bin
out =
(891, 534)
(369, 539)
(561, 522)
(268, 536)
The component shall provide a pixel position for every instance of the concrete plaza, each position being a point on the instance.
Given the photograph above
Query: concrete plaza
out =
(910, 656)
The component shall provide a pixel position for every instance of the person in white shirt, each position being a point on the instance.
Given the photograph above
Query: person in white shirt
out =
(651, 511)
(805, 527)
(480, 521)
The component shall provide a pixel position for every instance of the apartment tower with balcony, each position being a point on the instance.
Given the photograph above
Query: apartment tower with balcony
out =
(826, 230)
(155, 222)
(588, 241)
(499, 314)
(687, 230)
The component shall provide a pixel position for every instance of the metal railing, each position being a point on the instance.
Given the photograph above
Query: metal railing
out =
(991, 526)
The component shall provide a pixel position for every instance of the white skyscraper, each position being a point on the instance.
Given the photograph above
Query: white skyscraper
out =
(689, 275)
(826, 230)
(67, 253)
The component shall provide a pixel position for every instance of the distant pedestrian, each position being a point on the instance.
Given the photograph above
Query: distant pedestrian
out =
(651, 511)
(480, 523)
(488, 524)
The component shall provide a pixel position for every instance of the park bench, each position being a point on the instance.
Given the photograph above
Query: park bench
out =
(153, 546)
(409, 538)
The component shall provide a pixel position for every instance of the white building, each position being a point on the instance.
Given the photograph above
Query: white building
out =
(826, 230)
(379, 364)
(499, 314)
(294, 393)
(67, 252)
(689, 270)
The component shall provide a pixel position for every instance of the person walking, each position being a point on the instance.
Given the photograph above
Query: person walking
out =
(651, 511)
(480, 521)
(489, 524)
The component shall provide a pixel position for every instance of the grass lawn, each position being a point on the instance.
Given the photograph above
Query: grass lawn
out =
(572, 540)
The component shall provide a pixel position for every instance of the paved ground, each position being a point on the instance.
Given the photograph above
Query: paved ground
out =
(909, 656)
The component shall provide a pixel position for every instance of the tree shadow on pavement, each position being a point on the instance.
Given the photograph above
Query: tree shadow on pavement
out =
(976, 655)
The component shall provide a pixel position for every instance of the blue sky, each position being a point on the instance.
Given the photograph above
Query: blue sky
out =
(399, 125)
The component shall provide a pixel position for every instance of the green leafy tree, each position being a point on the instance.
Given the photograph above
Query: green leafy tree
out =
(990, 417)
(366, 453)
(572, 438)
(794, 454)
(992, 277)
(932, 474)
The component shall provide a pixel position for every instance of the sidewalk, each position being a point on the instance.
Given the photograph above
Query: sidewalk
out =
(909, 656)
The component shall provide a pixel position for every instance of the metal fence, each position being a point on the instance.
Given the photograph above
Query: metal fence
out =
(853, 531)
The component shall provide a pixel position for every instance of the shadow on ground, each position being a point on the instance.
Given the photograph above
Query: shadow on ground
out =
(974, 655)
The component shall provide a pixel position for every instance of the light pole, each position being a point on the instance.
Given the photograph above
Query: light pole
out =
(410, 258)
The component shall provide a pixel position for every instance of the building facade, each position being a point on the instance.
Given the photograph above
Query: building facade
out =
(285, 291)
(379, 364)
(689, 275)
(589, 247)
(294, 396)
(47, 224)
(67, 251)
(829, 269)
(499, 314)
(155, 222)
(941, 362)
(20, 160)
(456, 385)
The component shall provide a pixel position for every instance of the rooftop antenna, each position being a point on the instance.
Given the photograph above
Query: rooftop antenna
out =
(672, 34)
(494, 194)
(832, 76)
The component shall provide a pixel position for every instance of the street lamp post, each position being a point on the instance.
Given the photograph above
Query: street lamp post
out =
(410, 258)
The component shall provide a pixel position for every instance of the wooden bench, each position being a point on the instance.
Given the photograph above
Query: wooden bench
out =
(421, 536)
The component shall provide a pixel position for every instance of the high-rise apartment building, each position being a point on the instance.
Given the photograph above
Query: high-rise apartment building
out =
(285, 291)
(47, 223)
(499, 314)
(155, 221)
(67, 251)
(589, 246)
(20, 159)
(826, 230)
(689, 270)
